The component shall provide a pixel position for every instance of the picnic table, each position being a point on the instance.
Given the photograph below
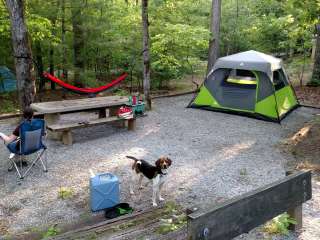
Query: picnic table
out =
(52, 111)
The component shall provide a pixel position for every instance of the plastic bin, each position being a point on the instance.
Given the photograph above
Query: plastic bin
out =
(104, 191)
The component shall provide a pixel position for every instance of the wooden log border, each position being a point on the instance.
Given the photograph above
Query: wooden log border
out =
(242, 214)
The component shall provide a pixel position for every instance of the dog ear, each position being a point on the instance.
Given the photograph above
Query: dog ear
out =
(169, 161)
(158, 162)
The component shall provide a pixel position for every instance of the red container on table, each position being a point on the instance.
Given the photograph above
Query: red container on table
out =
(134, 100)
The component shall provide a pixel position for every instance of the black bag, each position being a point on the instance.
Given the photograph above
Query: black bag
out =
(117, 210)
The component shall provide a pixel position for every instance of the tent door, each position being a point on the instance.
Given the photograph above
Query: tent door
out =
(238, 90)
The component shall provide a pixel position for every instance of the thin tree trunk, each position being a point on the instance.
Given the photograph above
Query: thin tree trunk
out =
(316, 67)
(214, 43)
(39, 65)
(237, 28)
(22, 53)
(63, 41)
(313, 51)
(51, 66)
(78, 43)
(53, 20)
(146, 54)
(303, 66)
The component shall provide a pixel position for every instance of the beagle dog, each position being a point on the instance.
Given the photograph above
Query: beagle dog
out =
(156, 173)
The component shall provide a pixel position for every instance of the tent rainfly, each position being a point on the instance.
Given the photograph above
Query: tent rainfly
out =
(248, 83)
(8, 82)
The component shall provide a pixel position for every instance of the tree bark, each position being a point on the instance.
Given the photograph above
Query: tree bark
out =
(146, 53)
(63, 41)
(22, 53)
(214, 43)
(78, 42)
(51, 66)
(316, 67)
(53, 20)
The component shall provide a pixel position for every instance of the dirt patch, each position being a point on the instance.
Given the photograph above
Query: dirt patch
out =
(308, 95)
(304, 145)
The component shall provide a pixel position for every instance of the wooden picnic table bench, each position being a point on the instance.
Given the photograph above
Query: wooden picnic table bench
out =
(52, 111)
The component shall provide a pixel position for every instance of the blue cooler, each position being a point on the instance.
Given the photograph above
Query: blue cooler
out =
(104, 191)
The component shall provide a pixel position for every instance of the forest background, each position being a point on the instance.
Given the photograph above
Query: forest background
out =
(89, 43)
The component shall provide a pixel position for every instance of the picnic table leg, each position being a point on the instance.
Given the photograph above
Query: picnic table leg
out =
(52, 118)
(67, 137)
(296, 214)
(132, 124)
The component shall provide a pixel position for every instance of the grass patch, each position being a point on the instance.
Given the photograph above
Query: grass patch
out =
(243, 172)
(174, 221)
(91, 236)
(279, 225)
(65, 193)
(9, 103)
(34, 230)
(52, 231)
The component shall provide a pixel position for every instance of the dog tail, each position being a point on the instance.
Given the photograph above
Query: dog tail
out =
(136, 161)
(133, 158)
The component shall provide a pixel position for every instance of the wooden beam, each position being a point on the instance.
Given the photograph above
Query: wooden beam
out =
(242, 214)
(73, 125)
(79, 104)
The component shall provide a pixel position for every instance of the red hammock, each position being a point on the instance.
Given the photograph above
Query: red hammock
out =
(85, 90)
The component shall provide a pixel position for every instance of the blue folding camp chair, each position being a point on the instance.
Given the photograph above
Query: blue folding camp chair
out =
(30, 141)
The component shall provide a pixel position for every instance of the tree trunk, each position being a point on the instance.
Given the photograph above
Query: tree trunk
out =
(214, 43)
(51, 53)
(63, 41)
(313, 52)
(51, 66)
(39, 66)
(22, 53)
(146, 54)
(236, 47)
(316, 67)
(78, 43)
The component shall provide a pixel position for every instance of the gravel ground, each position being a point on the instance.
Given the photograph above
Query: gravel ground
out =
(215, 156)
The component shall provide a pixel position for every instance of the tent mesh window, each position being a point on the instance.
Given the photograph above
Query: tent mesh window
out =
(279, 79)
(241, 79)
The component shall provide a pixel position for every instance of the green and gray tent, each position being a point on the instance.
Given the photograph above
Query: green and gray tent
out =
(249, 83)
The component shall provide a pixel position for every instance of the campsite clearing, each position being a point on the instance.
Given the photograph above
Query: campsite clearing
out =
(215, 156)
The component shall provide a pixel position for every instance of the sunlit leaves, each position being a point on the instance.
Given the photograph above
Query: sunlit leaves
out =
(39, 28)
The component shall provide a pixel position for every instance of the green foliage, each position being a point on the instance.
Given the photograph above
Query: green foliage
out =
(268, 25)
(52, 231)
(65, 193)
(170, 224)
(174, 222)
(177, 47)
(121, 92)
(9, 103)
(314, 83)
(280, 224)
(243, 172)
(179, 33)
